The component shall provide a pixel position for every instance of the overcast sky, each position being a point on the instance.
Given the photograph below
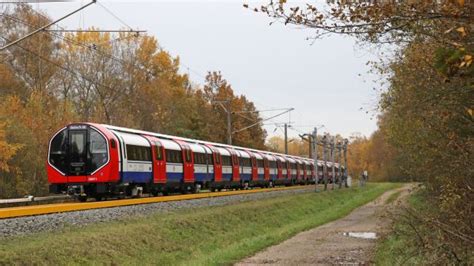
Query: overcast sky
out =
(274, 66)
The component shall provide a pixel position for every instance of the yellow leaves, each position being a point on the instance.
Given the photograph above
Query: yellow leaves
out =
(462, 31)
(7, 150)
(92, 40)
(470, 112)
(466, 61)
(461, 2)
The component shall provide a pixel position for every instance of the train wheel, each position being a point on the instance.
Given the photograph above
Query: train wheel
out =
(82, 198)
(197, 188)
(99, 198)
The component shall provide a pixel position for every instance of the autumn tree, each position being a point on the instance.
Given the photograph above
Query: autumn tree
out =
(426, 122)
(220, 95)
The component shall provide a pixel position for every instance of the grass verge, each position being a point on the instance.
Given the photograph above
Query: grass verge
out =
(398, 248)
(199, 236)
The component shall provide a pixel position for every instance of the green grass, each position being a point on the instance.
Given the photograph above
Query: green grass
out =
(393, 197)
(199, 236)
(397, 248)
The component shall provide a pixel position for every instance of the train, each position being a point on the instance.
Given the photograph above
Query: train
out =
(90, 160)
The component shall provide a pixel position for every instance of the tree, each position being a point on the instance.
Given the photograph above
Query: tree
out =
(220, 95)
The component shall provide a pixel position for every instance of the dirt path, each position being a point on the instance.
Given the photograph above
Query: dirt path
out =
(327, 244)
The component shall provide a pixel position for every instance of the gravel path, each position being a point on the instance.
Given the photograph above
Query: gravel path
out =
(329, 244)
(52, 222)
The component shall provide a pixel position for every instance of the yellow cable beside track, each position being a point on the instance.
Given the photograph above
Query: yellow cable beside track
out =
(14, 212)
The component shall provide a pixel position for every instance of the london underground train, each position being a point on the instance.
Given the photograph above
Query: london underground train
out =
(91, 160)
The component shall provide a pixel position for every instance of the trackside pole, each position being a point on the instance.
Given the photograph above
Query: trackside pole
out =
(339, 149)
(346, 141)
(314, 147)
(333, 168)
(325, 177)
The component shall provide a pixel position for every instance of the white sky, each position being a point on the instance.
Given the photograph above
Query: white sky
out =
(274, 66)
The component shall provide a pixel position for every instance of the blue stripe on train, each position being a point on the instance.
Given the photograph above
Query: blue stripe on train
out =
(136, 177)
(226, 177)
(245, 177)
(261, 177)
(203, 177)
(174, 177)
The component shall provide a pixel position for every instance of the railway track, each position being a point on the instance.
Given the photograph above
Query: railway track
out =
(15, 212)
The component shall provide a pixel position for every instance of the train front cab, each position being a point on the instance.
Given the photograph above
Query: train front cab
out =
(82, 159)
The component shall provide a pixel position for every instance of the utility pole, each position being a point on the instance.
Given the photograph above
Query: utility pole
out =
(325, 177)
(229, 124)
(40, 29)
(333, 142)
(229, 118)
(286, 138)
(346, 141)
(314, 148)
(309, 139)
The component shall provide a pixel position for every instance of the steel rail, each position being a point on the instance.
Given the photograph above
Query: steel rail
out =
(15, 212)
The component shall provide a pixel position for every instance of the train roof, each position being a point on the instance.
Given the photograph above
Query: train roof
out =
(221, 145)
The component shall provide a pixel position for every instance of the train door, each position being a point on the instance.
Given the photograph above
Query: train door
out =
(216, 155)
(159, 160)
(216, 159)
(304, 170)
(253, 160)
(266, 168)
(235, 166)
(297, 171)
(188, 162)
(279, 169)
(77, 161)
(288, 170)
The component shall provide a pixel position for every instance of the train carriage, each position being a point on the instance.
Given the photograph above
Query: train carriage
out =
(96, 160)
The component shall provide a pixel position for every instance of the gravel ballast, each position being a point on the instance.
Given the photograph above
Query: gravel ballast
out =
(53, 222)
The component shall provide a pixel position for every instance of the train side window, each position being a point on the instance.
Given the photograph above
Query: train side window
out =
(260, 163)
(138, 153)
(199, 158)
(273, 164)
(226, 160)
(265, 163)
(173, 156)
(209, 159)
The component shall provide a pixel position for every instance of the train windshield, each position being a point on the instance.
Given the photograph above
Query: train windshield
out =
(58, 151)
(78, 150)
